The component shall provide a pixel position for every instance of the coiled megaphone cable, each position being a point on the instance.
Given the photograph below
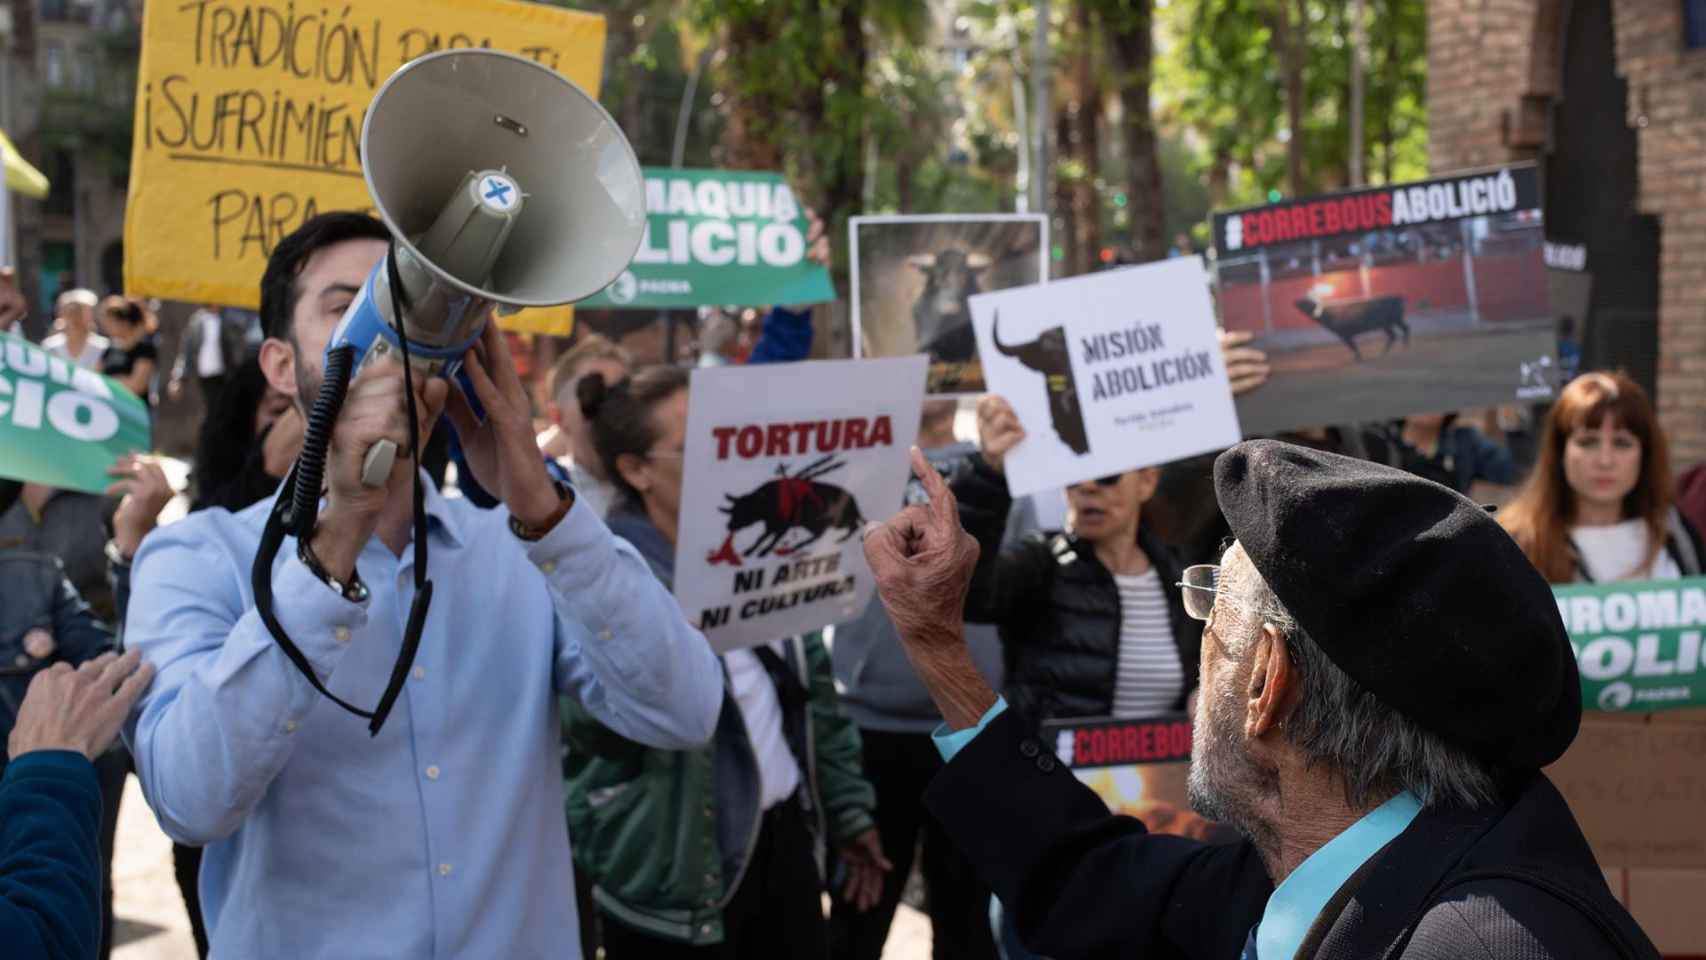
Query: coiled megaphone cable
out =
(296, 510)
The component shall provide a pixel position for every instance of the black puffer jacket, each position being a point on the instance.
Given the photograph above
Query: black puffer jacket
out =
(1057, 607)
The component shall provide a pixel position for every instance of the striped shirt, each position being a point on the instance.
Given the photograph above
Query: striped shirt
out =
(1150, 677)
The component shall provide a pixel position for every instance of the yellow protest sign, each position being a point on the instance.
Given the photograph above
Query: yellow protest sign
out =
(249, 114)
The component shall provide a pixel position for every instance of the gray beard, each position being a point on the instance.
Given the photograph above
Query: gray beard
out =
(1223, 784)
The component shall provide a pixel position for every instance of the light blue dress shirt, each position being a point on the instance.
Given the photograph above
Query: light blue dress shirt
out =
(1300, 898)
(443, 836)
(949, 742)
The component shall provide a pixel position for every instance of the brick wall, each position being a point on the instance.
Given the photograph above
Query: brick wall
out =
(1492, 71)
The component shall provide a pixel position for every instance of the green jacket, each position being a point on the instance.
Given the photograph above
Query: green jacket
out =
(665, 843)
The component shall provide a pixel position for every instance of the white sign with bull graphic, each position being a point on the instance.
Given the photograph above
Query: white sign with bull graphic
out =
(1109, 372)
(784, 465)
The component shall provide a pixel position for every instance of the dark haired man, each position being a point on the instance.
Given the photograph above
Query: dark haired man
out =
(443, 835)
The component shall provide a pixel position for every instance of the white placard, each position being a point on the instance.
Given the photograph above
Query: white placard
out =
(784, 466)
(1110, 372)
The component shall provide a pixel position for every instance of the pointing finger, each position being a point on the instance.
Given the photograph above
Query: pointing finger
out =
(934, 486)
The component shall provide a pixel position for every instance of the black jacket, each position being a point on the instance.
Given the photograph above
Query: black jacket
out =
(1057, 607)
(1513, 881)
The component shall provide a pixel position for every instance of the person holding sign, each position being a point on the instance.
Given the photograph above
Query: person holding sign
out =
(710, 852)
(442, 834)
(1090, 625)
(1598, 506)
(1384, 676)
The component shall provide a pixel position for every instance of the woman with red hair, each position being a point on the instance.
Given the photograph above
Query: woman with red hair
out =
(1599, 505)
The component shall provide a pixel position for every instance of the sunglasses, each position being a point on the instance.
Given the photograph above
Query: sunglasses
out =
(1199, 584)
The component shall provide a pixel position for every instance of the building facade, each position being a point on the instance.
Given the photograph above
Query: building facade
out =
(1609, 98)
(67, 78)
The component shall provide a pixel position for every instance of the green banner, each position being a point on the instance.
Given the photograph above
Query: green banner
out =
(1637, 644)
(62, 425)
(730, 238)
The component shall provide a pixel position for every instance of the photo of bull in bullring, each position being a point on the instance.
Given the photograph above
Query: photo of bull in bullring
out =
(914, 275)
(1416, 298)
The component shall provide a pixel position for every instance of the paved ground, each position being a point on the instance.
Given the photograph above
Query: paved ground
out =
(152, 925)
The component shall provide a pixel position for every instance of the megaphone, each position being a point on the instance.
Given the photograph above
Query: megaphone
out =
(504, 186)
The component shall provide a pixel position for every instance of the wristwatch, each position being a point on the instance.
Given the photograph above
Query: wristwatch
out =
(354, 591)
(565, 494)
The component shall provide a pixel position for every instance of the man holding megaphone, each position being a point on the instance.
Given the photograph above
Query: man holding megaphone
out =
(443, 835)
(440, 832)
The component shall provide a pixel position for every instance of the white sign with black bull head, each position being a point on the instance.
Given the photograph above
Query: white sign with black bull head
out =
(784, 466)
(1109, 372)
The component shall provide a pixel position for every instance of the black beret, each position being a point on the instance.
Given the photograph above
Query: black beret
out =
(1412, 590)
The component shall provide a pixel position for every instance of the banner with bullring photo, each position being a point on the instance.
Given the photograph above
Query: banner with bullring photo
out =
(61, 425)
(1637, 644)
(1380, 303)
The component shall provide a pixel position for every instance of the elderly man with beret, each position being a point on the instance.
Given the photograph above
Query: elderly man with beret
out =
(1383, 676)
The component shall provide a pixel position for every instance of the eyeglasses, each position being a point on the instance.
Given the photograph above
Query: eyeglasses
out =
(1199, 586)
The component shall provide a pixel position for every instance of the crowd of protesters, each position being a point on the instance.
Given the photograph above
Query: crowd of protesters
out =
(706, 802)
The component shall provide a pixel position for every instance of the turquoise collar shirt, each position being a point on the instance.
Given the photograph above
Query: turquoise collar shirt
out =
(443, 836)
(1302, 895)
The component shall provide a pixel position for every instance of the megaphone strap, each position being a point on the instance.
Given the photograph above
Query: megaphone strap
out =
(297, 506)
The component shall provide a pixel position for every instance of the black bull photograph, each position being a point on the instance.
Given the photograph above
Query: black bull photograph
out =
(913, 278)
(1385, 324)
(1047, 354)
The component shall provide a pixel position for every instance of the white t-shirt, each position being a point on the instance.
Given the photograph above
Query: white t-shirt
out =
(755, 694)
(1617, 552)
(209, 361)
(1149, 677)
(89, 359)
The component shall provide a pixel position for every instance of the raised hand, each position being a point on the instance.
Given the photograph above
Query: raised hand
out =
(923, 562)
(1246, 367)
(146, 491)
(998, 430)
(503, 452)
(374, 409)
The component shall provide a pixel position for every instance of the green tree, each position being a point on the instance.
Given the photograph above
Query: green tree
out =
(1262, 89)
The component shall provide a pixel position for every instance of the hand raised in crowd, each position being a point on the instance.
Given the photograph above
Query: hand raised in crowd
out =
(998, 430)
(923, 561)
(374, 409)
(817, 240)
(79, 709)
(1246, 367)
(866, 870)
(146, 491)
(503, 452)
(818, 251)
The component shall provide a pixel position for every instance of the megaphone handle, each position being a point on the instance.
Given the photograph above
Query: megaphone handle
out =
(376, 466)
